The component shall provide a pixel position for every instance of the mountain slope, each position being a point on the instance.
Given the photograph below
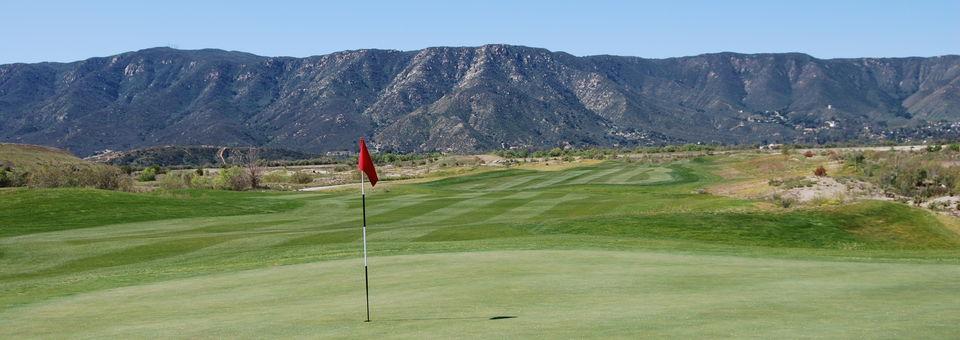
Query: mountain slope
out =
(469, 98)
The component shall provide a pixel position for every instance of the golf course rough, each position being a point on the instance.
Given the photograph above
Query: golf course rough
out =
(611, 250)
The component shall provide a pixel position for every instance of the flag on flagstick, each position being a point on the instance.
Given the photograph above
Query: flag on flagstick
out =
(365, 165)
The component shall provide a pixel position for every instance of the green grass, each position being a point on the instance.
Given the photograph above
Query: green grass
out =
(611, 250)
(25, 211)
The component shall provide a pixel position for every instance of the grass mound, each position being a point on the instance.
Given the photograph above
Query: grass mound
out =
(27, 157)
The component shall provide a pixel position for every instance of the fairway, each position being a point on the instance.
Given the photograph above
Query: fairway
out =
(617, 249)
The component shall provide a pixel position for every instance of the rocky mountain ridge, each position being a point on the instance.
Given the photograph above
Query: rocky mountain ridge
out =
(466, 99)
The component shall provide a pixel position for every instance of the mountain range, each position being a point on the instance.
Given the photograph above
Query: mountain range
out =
(465, 99)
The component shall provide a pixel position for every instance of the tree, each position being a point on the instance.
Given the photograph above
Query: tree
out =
(254, 168)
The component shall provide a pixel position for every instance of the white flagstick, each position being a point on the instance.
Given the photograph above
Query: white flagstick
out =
(366, 277)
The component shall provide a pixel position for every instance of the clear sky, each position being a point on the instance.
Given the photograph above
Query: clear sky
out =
(38, 30)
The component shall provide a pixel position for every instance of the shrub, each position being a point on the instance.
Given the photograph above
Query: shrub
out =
(157, 169)
(92, 176)
(199, 171)
(954, 147)
(790, 183)
(934, 148)
(820, 171)
(106, 177)
(148, 175)
(808, 154)
(17, 178)
(939, 205)
(783, 201)
(5, 180)
(301, 178)
(177, 180)
(233, 178)
(855, 159)
(276, 177)
(202, 182)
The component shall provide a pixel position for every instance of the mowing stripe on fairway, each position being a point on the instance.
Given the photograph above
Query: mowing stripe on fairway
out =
(475, 201)
(557, 178)
(582, 174)
(659, 175)
(596, 175)
(408, 210)
(640, 177)
(623, 177)
(534, 208)
(520, 181)
(493, 208)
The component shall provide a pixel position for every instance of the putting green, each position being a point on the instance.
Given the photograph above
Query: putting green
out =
(611, 250)
(550, 293)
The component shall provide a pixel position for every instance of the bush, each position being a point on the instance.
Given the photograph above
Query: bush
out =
(301, 178)
(157, 169)
(820, 171)
(783, 201)
(934, 148)
(106, 177)
(202, 182)
(93, 176)
(13, 178)
(955, 147)
(940, 205)
(276, 177)
(233, 178)
(790, 183)
(177, 180)
(148, 175)
(5, 180)
(855, 159)
(808, 154)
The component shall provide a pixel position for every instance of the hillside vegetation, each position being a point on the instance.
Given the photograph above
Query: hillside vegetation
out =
(43, 167)
(29, 157)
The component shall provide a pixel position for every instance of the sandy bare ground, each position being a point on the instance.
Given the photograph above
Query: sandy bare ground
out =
(829, 188)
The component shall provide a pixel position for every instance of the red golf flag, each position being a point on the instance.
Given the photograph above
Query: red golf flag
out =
(365, 163)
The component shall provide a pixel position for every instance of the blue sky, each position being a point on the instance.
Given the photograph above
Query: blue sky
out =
(37, 30)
